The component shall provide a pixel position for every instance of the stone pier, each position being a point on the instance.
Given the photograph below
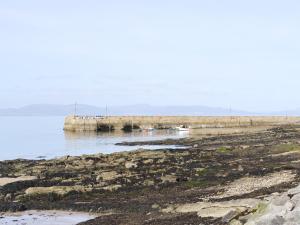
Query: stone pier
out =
(98, 123)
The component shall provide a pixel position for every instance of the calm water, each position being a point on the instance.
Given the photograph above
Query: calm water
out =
(44, 218)
(33, 137)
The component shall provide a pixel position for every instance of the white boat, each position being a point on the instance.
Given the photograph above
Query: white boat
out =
(149, 129)
(182, 128)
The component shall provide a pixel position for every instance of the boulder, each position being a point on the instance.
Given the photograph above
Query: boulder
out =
(282, 209)
(112, 187)
(129, 165)
(226, 209)
(59, 190)
(9, 180)
(169, 179)
(108, 175)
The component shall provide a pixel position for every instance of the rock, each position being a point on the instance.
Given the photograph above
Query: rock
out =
(226, 209)
(69, 167)
(90, 162)
(168, 178)
(148, 183)
(102, 164)
(9, 180)
(161, 161)
(235, 222)
(8, 197)
(109, 175)
(59, 190)
(112, 187)
(249, 184)
(280, 200)
(200, 171)
(259, 145)
(221, 212)
(295, 199)
(280, 210)
(148, 161)
(292, 217)
(230, 215)
(240, 168)
(294, 191)
(127, 180)
(269, 220)
(142, 154)
(120, 161)
(99, 178)
(129, 165)
(155, 206)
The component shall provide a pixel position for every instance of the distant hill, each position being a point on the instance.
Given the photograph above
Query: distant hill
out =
(48, 110)
(63, 110)
(295, 112)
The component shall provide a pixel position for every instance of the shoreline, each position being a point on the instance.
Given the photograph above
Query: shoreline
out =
(161, 186)
(159, 135)
(76, 144)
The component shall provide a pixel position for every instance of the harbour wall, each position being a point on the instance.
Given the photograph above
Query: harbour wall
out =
(98, 123)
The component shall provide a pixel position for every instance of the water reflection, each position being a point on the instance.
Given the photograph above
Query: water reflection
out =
(141, 135)
(43, 137)
(104, 142)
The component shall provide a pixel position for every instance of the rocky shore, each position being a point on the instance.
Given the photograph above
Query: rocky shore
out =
(224, 179)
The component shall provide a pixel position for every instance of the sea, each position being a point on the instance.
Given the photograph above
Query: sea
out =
(33, 137)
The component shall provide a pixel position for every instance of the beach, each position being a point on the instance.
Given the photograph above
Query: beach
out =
(211, 179)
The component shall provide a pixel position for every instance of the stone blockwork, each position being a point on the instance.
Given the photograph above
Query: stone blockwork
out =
(93, 123)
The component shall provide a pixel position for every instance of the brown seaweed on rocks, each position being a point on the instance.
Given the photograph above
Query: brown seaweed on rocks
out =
(166, 186)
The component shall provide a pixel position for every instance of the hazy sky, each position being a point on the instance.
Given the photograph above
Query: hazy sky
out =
(243, 54)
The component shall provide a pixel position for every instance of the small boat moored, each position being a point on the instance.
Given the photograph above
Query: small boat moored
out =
(182, 128)
(149, 129)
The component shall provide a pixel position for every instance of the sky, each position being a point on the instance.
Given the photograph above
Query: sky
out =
(239, 54)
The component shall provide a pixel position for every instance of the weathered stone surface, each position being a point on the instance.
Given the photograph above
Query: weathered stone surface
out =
(148, 161)
(8, 197)
(109, 175)
(112, 187)
(148, 182)
(79, 123)
(129, 165)
(59, 190)
(294, 191)
(280, 210)
(249, 184)
(8, 180)
(235, 222)
(230, 215)
(214, 209)
(168, 178)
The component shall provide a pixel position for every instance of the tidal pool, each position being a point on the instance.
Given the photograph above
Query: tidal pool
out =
(33, 217)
